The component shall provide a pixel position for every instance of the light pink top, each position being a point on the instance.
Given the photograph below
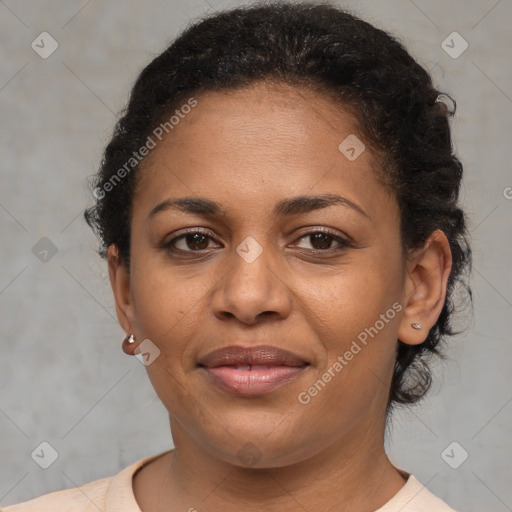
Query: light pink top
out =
(115, 494)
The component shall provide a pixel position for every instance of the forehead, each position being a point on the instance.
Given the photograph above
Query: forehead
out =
(258, 144)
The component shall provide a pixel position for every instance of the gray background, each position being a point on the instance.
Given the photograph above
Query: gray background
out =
(64, 378)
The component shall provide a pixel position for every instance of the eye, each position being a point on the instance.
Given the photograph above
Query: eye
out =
(322, 241)
(198, 241)
(191, 241)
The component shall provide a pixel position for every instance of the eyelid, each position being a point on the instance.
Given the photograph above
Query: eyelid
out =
(191, 231)
(167, 243)
(344, 242)
(328, 231)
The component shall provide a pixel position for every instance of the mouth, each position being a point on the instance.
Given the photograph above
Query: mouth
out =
(251, 370)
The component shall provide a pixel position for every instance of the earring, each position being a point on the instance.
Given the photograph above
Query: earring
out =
(416, 326)
(127, 343)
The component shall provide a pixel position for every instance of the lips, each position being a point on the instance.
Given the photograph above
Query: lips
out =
(236, 355)
(251, 370)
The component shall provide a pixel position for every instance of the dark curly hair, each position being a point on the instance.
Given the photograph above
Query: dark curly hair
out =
(326, 49)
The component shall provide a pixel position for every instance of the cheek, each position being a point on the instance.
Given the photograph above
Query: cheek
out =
(358, 325)
(167, 309)
(167, 305)
(355, 297)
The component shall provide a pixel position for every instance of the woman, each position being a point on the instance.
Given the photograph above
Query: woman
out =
(278, 209)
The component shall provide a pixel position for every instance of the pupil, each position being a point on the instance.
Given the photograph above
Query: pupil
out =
(196, 240)
(323, 239)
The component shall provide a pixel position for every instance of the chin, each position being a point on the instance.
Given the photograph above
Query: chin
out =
(262, 446)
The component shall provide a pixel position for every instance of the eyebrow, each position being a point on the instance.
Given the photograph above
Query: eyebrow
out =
(284, 208)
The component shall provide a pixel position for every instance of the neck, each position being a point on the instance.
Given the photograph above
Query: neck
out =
(353, 475)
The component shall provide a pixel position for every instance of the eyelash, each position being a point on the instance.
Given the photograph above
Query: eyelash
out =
(343, 244)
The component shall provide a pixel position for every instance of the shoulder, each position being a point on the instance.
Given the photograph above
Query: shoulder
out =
(415, 497)
(111, 494)
(88, 497)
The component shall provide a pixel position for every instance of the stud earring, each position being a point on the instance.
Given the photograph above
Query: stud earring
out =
(127, 343)
(416, 326)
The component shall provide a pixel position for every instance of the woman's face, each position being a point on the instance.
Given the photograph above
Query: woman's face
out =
(260, 274)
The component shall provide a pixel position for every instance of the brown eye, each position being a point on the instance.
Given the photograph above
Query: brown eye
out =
(323, 241)
(192, 241)
(188, 243)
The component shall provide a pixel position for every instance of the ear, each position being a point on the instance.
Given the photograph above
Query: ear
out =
(425, 287)
(120, 282)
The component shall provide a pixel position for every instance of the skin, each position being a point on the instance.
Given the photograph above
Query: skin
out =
(247, 150)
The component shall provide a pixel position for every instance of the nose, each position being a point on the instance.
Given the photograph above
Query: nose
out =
(254, 288)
